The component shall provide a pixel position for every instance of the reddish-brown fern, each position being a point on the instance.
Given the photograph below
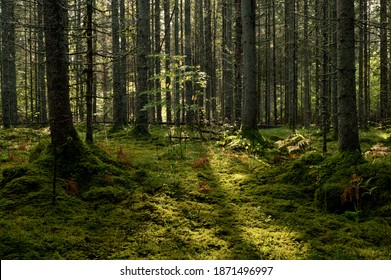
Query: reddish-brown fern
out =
(202, 161)
(204, 188)
(72, 187)
(122, 157)
(351, 194)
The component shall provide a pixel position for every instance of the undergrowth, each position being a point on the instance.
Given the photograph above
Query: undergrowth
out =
(182, 198)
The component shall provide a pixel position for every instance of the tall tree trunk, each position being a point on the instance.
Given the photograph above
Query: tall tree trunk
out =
(291, 62)
(90, 73)
(268, 63)
(249, 112)
(275, 111)
(123, 102)
(8, 81)
(325, 74)
(143, 50)
(227, 61)
(158, 83)
(360, 81)
(238, 62)
(367, 59)
(41, 86)
(209, 69)
(306, 65)
(347, 111)
(61, 125)
(167, 46)
(5, 61)
(200, 55)
(188, 60)
(116, 62)
(176, 45)
(333, 64)
(384, 96)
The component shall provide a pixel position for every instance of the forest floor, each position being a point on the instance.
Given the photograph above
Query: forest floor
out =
(172, 198)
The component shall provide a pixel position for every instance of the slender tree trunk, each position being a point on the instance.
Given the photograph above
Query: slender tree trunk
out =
(5, 63)
(41, 67)
(275, 111)
(306, 65)
(325, 75)
(227, 61)
(238, 63)
(167, 44)
(361, 107)
(249, 113)
(90, 73)
(176, 45)
(384, 95)
(158, 84)
(209, 58)
(12, 65)
(291, 62)
(200, 56)
(123, 102)
(367, 59)
(347, 111)
(333, 68)
(116, 62)
(188, 59)
(143, 50)
(8, 81)
(268, 63)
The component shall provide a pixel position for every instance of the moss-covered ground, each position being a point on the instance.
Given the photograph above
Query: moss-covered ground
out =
(170, 198)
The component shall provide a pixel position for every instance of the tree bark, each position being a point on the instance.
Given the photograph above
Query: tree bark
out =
(8, 81)
(90, 73)
(143, 50)
(238, 62)
(347, 111)
(167, 48)
(227, 61)
(249, 113)
(188, 60)
(306, 65)
(384, 95)
(61, 125)
(158, 84)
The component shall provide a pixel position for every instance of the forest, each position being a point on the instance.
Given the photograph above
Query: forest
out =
(203, 130)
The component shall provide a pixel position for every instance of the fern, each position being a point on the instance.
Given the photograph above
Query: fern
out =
(72, 187)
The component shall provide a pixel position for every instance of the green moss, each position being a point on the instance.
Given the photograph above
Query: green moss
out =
(8, 174)
(155, 208)
(107, 194)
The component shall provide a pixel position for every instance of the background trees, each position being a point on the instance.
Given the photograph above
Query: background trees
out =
(197, 65)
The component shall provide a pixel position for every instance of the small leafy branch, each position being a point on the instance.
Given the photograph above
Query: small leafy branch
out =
(179, 74)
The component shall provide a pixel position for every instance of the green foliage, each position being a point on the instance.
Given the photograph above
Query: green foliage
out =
(179, 74)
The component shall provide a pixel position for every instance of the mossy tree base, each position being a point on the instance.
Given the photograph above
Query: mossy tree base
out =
(82, 165)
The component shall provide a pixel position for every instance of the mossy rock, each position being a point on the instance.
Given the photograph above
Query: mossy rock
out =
(328, 198)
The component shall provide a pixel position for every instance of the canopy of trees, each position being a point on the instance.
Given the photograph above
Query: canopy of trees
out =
(247, 63)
